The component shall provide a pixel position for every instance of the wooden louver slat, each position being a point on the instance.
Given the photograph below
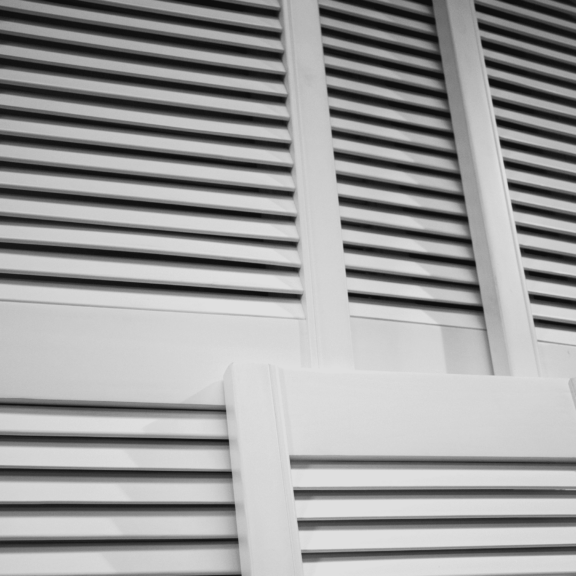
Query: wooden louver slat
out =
(408, 249)
(148, 155)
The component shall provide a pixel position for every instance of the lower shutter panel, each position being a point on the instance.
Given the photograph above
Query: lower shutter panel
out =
(407, 244)
(109, 490)
(147, 157)
(531, 61)
(432, 518)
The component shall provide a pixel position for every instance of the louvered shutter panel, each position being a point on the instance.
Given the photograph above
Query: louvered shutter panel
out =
(530, 54)
(407, 242)
(435, 519)
(109, 490)
(147, 158)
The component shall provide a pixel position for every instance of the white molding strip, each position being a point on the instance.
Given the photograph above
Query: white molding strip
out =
(325, 298)
(263, 493)
(509, 321)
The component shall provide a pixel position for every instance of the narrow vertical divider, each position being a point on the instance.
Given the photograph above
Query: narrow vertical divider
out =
(328, 330)
(265, 511)
(509, 321)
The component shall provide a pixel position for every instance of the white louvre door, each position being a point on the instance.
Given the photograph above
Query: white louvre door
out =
(146, 195)
(531, 62)
(408, 252)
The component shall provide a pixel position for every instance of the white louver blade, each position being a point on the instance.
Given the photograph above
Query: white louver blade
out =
(147, 157)
(530, 57)
(408, 249)
(109, 490)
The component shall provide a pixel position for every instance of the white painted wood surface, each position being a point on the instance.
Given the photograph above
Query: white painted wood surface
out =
(505, 299)
(266, 518)
(325, 302)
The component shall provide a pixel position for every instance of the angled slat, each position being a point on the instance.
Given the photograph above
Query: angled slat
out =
(390, 134)
(128, 70)
(52, 131)
(381, 72)
(561, 334)
(549, 245)
(527, 65)
(532, 103)
(459, 536)
(422, 476)
(401, 243)
(534, 160)
(173, 170)
(211, 15)
(384, 36)
(537, 141)
(466, 564)
(106, 560)
(532, 121)
(543, 202)
(117, 525)
(157, 193)
(403, 506)
(532, 84)
(153, 26)
(113, 489)
(502, 40)
(67, 237)
(380, 54)
(557, 6)
(390, 114)
(429, 182)
(396, 155)
(130, 92)
(453, 206)
(430, 225)
(554, 313)
(530, 33)
(116, 456)
(49, 292)
(545, 266)
(418, 314)
(389, 94)
(376, 17)
(140, 48)
(412, 268)
(540, 182)
(524, 12)
(551, 289)
(55, 421)
(164, 274)
(140, 119)
(545, 222)
(147, 219)
(407, 6)
(388, 289)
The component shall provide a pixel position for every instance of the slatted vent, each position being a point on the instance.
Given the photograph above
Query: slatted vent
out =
(147, 156)
(106, 490)
(436, 519)
(530, 53)
(407, 243)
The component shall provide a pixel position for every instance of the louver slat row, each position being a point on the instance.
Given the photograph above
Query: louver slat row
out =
(531, 61)
(408, 249)
(147, 161)
(423, 518)
(109, 490)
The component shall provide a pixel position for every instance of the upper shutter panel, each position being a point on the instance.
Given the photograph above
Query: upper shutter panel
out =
(530, 53)
(147, 156)
(407, 243)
